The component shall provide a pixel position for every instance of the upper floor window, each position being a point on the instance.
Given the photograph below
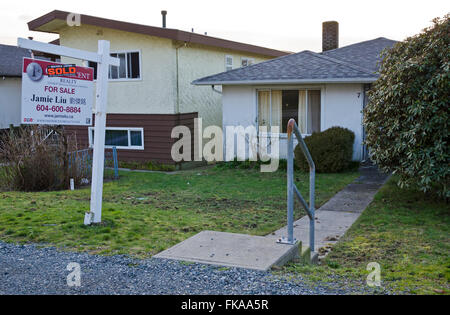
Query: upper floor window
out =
(228, 62)
(129, 69)
(247, 62)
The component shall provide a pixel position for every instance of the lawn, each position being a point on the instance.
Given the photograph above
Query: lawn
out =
(145, 213)
(404, 231)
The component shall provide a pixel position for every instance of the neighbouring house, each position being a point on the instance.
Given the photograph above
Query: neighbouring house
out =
(11, 58)
(319, 90)
(151, 91)
(11, 61)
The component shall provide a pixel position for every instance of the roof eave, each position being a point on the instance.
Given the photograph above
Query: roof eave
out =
(280, 82)
(39, 24)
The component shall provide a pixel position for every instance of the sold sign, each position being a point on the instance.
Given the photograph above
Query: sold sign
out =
(61, 70)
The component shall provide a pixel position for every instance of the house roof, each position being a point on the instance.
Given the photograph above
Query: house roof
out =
(365, 54)
(54, 20)
(11, 60)
(351, 64)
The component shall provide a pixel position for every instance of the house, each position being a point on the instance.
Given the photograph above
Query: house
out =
(11, 58)
(11, 61)
(151, 91)
(319, 90)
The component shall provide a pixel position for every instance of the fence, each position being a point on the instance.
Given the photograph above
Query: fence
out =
(80, 162)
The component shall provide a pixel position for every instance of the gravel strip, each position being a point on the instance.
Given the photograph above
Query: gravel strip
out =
(26, 269)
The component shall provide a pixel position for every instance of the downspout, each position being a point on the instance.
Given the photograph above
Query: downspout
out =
(366, 88)
(177, 109)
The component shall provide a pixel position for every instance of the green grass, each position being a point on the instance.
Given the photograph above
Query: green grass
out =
(404, 231)
(145, 213)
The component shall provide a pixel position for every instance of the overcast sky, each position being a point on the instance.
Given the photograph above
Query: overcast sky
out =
(282, 24)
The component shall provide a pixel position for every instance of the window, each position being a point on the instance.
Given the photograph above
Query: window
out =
(228, 62)
(247, 62)
(129, 69)
(121, 138)
(276, 107)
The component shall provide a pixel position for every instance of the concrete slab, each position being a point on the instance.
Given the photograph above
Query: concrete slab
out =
(232, 250)
(330, 226)
(336, 216)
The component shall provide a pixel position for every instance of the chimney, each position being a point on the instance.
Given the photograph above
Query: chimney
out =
(330, 35)
(164, 13)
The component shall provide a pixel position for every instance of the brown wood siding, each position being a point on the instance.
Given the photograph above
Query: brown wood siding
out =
(157, 134)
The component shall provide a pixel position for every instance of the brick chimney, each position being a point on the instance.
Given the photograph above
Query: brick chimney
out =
(330, 35)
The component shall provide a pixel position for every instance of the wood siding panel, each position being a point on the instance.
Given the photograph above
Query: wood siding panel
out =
(157, 134)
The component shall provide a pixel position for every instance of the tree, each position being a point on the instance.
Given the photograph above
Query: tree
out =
(406, 119)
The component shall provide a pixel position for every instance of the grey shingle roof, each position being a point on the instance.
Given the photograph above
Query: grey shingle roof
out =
(354, 63)
(11, 58)
(365, 54)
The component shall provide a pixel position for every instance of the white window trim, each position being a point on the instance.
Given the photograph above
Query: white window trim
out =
(129, 138)
(226, 64)
(303, 88)
(126, 65)
(126, 68)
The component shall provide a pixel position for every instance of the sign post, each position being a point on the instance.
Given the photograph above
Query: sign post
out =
(98, 160)
(103, 60)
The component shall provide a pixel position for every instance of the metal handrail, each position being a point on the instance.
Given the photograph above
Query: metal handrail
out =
(292, 128)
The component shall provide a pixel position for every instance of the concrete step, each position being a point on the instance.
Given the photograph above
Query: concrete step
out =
(234, 250)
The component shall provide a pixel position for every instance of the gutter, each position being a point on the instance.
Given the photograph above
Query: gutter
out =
(294, 81)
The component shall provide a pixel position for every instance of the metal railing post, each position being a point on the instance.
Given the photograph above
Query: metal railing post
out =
(116, 163)
(290, 189)
(312, 185)
(292, 129)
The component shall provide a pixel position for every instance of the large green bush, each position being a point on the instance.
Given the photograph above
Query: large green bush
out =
(331, 150)
(406, 119)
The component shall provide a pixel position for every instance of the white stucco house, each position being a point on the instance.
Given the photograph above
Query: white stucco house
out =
(319, 90)
(151, 91)
(11, 62)
(11, 84)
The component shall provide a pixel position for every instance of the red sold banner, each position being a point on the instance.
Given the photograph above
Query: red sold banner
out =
(56, 94)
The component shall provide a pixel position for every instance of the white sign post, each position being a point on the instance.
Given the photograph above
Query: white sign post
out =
(103, 60)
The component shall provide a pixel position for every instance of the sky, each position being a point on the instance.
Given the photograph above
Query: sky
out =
(283, 24)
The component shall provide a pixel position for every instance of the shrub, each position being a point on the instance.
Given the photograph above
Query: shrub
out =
(407, 116)
(34, 161)
(331, 150)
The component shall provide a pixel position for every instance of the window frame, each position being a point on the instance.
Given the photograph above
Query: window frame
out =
(129, 129)
(289, 88)
(226, 64)
(126, 66)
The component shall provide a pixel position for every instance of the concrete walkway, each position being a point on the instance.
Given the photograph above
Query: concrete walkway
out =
(335, 217)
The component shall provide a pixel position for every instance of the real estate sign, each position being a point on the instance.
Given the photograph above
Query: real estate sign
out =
(56, 94)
